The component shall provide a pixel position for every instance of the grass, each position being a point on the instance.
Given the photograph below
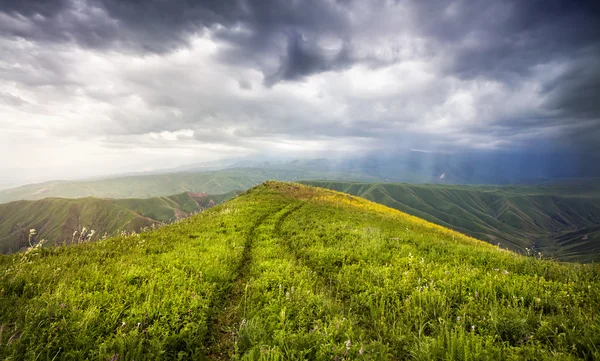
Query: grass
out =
(291, 272)
(553, 220)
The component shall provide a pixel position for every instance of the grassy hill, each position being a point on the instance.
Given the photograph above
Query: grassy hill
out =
(55, 219)
(155, 185)
(291, 272)
(559, 221)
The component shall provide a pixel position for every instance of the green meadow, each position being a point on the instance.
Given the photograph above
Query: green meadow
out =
(293, 272)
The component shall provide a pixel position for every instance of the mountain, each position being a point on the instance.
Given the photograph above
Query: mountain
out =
(558, 221)
(145, 186)
(415, 166)
(410, 166)
(289, 272)
(56, 219)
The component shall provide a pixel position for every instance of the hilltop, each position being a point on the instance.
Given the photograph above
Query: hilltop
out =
(561, 221)
(288, 271)
(56, 219)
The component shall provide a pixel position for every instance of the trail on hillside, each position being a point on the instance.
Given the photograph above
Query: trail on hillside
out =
(266, 242)
(222, 327)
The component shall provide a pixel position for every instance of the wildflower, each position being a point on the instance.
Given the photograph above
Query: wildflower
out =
(458, 318)
(138, 325)
(472, 328)
(123, 324)
(476, 294)
(348, 343)
(243, 323)
(32, 233)
(496, 269)
(361, 351)
(505, 272)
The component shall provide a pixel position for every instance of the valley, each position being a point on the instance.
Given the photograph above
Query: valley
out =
(56, 219)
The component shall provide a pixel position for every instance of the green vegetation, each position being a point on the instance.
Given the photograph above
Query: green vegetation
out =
(562, 222)
(55, 219)
(292, 272)
(146, 186)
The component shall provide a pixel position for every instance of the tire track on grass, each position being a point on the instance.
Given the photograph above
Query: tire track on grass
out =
(218, 341)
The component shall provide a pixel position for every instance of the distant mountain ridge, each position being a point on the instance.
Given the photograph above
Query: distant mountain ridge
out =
(158, 185)
(391, 166)
(56, 219)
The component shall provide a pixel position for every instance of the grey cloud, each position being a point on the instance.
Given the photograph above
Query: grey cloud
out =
(507, 41)
(287, 41)
(245, 84)
(11, 99)
(576, 92)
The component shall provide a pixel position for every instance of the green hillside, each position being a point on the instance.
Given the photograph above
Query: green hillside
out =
(291, 272)
(146, 186)
(55, 219)
(553, 220)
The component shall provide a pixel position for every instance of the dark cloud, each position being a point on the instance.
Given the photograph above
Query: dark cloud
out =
(257, 30)
(548, 48)
(576, 91)
(484, 38)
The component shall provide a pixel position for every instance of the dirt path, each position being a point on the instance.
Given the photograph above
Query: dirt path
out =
(222, 328)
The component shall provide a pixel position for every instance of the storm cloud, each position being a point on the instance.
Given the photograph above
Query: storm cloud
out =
(208, 79)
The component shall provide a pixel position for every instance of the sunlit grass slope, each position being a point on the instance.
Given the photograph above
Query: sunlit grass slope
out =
(55, 219)
(559, 221)
(291, 272)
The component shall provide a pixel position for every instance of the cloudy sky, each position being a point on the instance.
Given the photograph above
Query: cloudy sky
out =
(100, 86)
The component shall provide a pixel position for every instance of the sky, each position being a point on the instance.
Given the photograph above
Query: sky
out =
(93, 87)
